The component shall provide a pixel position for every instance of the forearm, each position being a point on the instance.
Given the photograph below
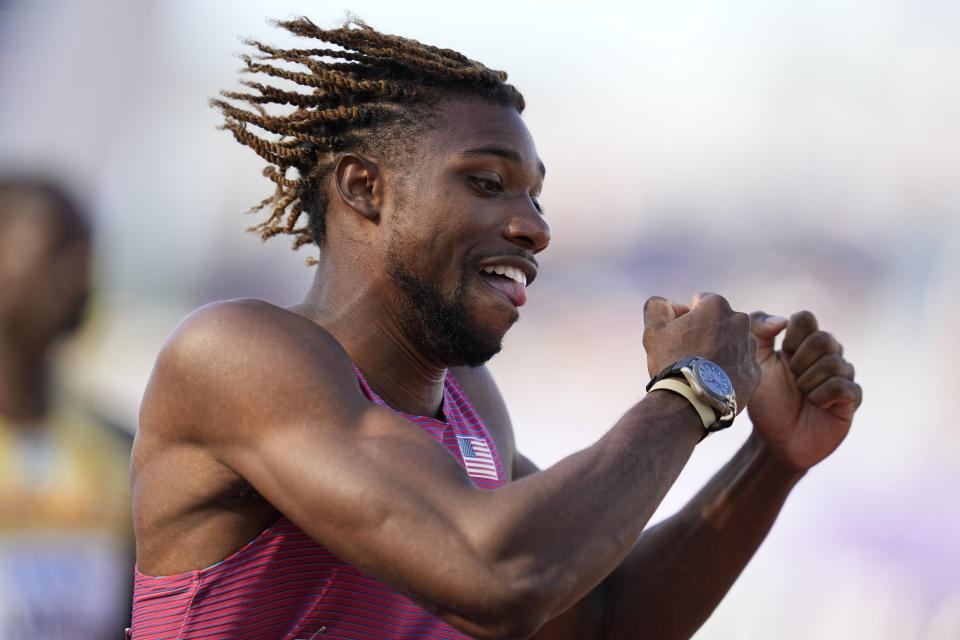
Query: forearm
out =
(565, 528)
(679, 570)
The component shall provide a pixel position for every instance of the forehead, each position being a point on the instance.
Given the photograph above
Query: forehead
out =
(472, 124)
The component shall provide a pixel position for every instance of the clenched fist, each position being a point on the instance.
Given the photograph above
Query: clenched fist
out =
(806, 398)
(708, 328)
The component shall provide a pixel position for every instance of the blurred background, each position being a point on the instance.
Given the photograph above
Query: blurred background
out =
(790, 155)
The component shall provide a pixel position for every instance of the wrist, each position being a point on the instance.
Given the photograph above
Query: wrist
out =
(771, 461)
(674, 407)
(706, 387)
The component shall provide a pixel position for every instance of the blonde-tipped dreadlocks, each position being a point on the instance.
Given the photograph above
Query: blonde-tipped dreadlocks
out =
(352, 97)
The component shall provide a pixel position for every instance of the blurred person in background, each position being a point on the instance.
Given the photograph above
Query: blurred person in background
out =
(65, 534)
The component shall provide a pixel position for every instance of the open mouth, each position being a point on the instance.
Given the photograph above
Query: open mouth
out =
(509, 281)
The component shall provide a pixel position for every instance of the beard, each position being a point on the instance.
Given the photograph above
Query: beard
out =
(441, 325)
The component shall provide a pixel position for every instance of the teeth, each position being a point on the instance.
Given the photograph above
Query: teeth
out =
(510, 272)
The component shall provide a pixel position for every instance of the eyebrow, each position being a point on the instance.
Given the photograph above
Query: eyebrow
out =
(502, 152)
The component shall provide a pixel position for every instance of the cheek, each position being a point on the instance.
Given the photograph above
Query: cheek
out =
(430, 249)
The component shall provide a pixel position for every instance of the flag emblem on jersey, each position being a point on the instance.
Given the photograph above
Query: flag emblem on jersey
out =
(477, 458)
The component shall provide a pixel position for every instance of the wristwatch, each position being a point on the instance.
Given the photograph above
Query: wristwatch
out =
(709, 384)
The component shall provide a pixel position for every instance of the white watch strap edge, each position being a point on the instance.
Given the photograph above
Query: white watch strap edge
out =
(706, 413)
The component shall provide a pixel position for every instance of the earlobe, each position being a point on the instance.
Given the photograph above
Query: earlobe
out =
(358, 185)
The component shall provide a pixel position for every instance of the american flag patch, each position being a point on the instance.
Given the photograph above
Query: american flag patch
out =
(477, 458)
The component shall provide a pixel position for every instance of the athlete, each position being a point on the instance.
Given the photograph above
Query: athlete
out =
(345, 467)
(65, 538)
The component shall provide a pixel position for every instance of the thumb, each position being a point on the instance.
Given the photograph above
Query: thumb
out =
(657, 312)
(765, 328)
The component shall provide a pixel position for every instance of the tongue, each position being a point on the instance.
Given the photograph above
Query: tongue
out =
(513, 290)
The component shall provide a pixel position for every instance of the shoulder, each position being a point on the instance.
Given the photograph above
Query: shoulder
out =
(259, 334)
(245, 322)
(484, 394)
(238, 361)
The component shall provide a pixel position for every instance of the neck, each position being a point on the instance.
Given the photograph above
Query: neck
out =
(358, 317)
(23, 382)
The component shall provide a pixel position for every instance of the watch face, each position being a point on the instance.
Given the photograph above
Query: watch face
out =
(713, 378)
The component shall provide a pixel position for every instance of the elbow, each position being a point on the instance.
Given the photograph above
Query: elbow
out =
(504, 625)
(512, 588)
(515, 609)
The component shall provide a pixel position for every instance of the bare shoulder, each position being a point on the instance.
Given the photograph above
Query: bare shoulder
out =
(221, 327)
(484, 394)
(231, 377)
(239, 358)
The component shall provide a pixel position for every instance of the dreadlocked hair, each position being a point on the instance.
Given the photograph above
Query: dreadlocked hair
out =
(366, 91)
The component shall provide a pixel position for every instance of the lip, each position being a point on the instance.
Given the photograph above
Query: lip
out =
(527, 266)
(514, 303)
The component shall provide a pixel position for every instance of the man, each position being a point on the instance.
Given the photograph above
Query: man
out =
(345, 468)
(65, 538)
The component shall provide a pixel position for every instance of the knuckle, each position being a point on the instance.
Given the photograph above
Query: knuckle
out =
(839, 386)
(651, 300)
(804, 316)
(710, 300)
(835, 364)
(740, 322)
(824, 341)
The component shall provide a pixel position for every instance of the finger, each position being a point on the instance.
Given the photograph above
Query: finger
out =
(814, 346)
(828, 366)
(837, 394)
(657, 312)
(800, 325)
(706, 297)
(765, 329)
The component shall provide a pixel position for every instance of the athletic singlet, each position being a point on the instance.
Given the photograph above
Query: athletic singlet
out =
(284, 586)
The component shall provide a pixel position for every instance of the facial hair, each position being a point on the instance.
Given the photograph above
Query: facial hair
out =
(441, 324)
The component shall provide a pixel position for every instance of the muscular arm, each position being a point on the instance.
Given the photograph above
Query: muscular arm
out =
(689, 561)
(678, 571)
(275, 399)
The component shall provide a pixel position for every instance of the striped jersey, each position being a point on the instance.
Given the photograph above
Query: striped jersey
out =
(284, 586)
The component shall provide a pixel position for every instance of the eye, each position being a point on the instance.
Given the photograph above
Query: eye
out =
(488, 184)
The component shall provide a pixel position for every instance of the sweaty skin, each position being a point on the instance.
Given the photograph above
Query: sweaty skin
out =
(253, 411)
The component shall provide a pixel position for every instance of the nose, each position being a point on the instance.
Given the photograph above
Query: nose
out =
(528, 229)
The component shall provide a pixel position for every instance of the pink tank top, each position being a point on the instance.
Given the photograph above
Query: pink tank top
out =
(284, 586)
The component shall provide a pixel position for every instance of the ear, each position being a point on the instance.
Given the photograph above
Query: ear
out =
(359, 185)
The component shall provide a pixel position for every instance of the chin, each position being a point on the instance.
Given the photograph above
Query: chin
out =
(472, 348)
(465, 327)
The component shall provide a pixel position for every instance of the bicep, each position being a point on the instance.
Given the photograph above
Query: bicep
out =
(370, 487)
(276, 400)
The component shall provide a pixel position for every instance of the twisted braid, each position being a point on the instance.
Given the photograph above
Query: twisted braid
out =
(359, 96)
